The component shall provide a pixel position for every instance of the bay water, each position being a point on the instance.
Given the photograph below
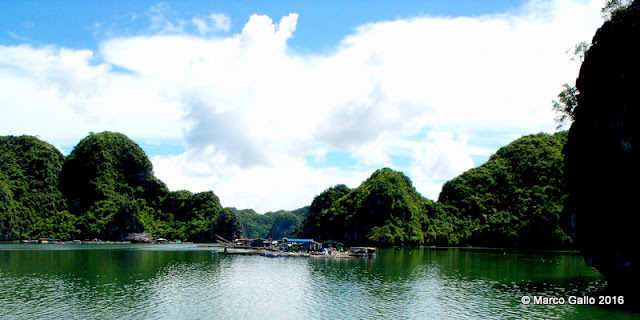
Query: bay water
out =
(189, 281)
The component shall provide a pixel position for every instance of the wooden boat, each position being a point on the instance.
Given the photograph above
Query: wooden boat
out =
(369, 252)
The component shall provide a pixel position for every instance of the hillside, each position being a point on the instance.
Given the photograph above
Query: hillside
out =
(253, 224)
(384, 210)
(31, 203)
(104, 189)
(275, 225)
(109, 183)
(515, 199)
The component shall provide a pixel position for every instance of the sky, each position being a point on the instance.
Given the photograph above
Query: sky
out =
(268, 103)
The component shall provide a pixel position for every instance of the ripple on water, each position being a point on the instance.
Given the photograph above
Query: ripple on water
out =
(198, 285)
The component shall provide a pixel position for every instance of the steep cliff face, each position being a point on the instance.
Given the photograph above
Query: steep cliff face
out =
(602, 160)
(31, 204)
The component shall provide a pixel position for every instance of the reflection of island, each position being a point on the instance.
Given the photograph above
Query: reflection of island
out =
(602, 162)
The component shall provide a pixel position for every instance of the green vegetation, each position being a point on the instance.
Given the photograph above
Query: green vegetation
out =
(274, 225)
(385, 210)
(31, 204)
(314, 225)
(515, 199)
(283, 225)
(254, 225)
(565, 107)
(106, 189)
(614, 8)
(109, 183)
(194, 217)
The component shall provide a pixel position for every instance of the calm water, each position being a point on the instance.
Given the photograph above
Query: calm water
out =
(189, 282)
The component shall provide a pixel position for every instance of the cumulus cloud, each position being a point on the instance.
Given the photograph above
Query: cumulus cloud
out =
(60, 95)
(226, 133)
(251, 112)
(290, 185)
(68, 71)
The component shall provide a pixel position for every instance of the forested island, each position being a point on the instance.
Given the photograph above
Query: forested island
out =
(105, 189)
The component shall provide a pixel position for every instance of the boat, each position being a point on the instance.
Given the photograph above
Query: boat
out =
(368, 252)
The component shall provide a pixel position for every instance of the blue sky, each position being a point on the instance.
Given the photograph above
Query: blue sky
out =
(82, 24)
(269, 103)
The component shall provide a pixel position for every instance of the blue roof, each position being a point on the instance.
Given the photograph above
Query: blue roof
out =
(299, 240)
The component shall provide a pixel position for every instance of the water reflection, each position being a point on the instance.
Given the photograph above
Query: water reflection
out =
(188, 282)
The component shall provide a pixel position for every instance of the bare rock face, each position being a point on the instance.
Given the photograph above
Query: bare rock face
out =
(602, 155)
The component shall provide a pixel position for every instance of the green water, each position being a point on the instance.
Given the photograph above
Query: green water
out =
(189, 282)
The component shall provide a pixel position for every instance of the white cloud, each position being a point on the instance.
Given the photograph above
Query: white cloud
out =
(251, 111)
(372, 154)
(161, 23)
(201, 25)
(290, 185)
(60, 95)
(219, 22)
(437, 159)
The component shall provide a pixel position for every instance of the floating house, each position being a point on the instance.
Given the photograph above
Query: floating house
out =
(312, 246)
(305, 244)
(297, 240)
(259, 243)
(330, 244)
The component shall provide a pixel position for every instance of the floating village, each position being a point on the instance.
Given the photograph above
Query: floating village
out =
(131, 238)
(245, 246)
(307, 248)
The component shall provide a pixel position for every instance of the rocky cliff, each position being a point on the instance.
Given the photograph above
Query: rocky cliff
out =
(602, 160)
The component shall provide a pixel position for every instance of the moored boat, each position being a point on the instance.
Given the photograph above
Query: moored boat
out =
(362, 252)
